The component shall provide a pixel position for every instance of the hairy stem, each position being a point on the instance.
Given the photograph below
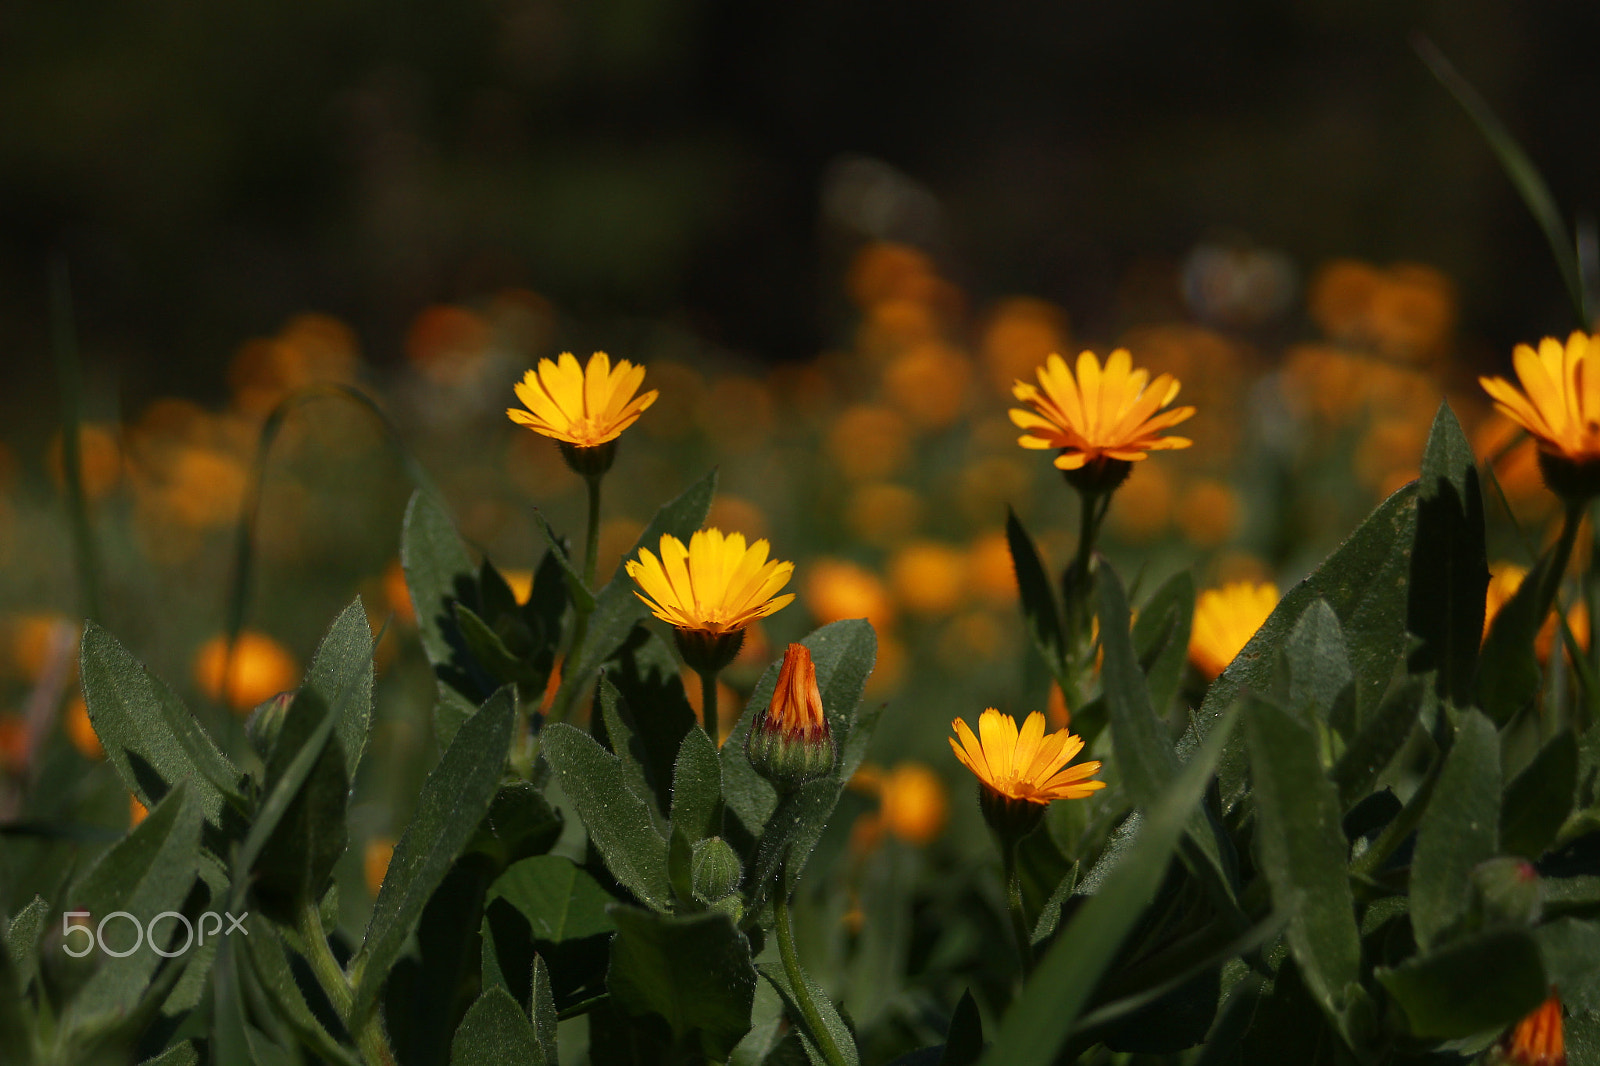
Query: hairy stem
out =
(797, 980)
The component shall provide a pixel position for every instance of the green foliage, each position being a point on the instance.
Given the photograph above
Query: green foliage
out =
(495, 1029)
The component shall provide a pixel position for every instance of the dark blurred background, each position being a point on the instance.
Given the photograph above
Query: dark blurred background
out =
(209, 169)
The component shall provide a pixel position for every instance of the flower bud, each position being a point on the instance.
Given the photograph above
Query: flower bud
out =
(706, 652)
(1505, 889)
(790, 742)
(266, 722)
(715, 871)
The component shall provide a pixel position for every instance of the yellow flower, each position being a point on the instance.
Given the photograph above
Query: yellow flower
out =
(584, 407)
(1559, 403)
(1111, 413)
(257, 669)
(716, 585)
(1025, 765)
(1224, 621)
(375, 862)
(1538, 1039)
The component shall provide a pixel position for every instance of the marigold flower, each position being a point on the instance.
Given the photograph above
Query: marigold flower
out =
(1024, 765)
(716, 585)
(1115, 413)
(1559, 405)
(1538, 1040)
(581, 406)
(790, 743)
(257, 668)
(1224, 621)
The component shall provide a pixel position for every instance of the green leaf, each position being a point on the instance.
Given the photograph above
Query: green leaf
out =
(492, 654)
(1302, 852)
(1044, 1013)
(22, 940)
(453, 800)
(1449, 563)
(277, 980)
(617, 608)
(1144, 751)
(1459, 829)
(149, 872)
(1321, 684)
(560, 901)
(439, 574)
(963, 1043)
(148, 735)
(544, 1010)
(1525, 177)
(1364, 581)
(303, 754)
(832, 1020)
(619, 822)
(1476, 984)
(1161, 638)
(1381, 737)
(182, 1054)
(697, 788)
(520, 823)
(1539, 799)
(582, 598)
(1037, 592)
(646, 674)
(1569, 948)
(449, 712)
(494, 1030)
(625, 744)
(341, 673)
(694, 971)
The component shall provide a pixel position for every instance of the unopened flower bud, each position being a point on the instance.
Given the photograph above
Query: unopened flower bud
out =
(706, 652)
(1506, 889)
(266, 722)
(715, 871)
(790, 743)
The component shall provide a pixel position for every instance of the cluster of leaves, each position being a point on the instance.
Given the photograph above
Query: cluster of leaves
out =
(480, 938)
(1398, 858)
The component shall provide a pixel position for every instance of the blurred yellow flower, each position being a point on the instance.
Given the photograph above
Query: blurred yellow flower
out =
(520, 582)
(1111, 413)
(1559, 402)
(81, 731)
(1144, 506)
(581, 406)
(375, 862)
(447, 343)
(930, 383)
(1504, 580)
(735, 512)
(928, 577)
(1021, 334)
(1224, 621)
(100, 460)
(989, 569)
(869, 443)
(837, 588)
(716, 585)
(1056, 710)
(398, 594)
(1024, 765)
(259, 669)
(137, 812)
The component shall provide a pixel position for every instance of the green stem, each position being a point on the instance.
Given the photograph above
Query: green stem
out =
(1019, 916)
(708, 706)
(331, 976)
(797, 978)
(580, 628)
(1077, 606)
(64, 340)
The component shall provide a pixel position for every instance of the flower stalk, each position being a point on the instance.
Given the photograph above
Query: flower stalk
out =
(817, 1030)
(368, 1031)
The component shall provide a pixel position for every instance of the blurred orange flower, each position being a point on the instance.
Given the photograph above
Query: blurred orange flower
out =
(837, 588)
(259, 669)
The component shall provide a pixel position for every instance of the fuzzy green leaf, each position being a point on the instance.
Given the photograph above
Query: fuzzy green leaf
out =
(1321, 685)
(832, 1020)
(1449, 563)
(453, 800)
(1478, 984)
(149, 736)
(694, 971)
(439, 574)
(1037, 592)
(1381, 737)
(620, 824)
(22, 940)
(341, 673)
(1364, 581)
(560, 901)
(1539, 799)
(494, 1030)
(1161, 638)
(1302, 852)
(1459, 829)
(697, 788)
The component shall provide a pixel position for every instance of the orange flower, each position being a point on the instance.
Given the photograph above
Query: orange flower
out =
(258, 669)
(913, 803)
(1538, 1040)
(1024, 765)
(1559, 403)
(790, 743)
(581, 406)
(1111, 413)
